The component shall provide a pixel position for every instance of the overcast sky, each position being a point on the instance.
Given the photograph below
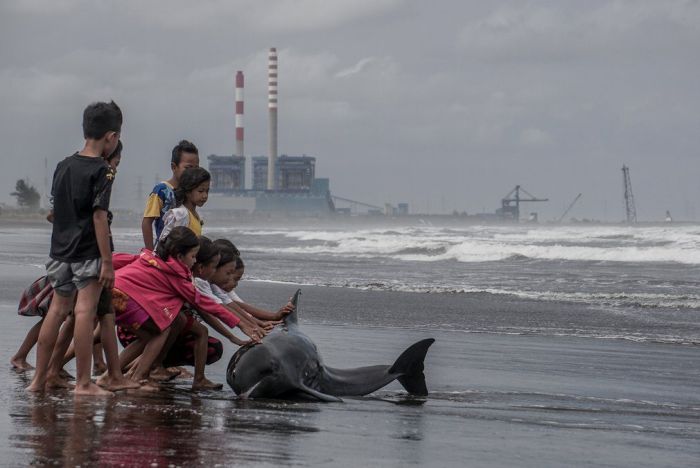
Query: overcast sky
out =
(444, 104)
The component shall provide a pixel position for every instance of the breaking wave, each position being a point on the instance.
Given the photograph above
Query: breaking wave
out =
(490, 244)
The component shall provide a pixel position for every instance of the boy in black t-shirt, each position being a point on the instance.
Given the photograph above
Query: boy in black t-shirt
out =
(81, 258)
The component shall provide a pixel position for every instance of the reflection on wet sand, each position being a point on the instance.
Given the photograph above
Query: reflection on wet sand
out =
(173, 427)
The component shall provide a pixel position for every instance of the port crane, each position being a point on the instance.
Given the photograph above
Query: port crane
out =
(510, 204)
(569, 208)
(630, 208)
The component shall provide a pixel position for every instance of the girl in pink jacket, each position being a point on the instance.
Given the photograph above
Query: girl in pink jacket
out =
(149, 293)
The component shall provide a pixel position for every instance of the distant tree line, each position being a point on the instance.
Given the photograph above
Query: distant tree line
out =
(27, 196)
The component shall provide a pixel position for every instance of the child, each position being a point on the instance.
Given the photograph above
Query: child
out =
(103, 335)
(34, 302)
(223, 275)
(192, 192)
(224, 287)
(81, 259)
(207, 350)
(149, 294)
(162, 198)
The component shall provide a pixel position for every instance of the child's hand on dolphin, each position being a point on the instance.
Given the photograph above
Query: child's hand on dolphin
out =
(255, 333)
(286, 310)
(270, 324)
(239, 342)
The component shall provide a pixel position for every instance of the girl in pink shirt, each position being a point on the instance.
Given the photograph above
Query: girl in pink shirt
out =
(149, 293)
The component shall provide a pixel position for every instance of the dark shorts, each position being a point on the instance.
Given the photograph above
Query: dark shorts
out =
(104, 304)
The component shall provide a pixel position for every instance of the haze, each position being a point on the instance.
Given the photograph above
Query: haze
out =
(444, 105)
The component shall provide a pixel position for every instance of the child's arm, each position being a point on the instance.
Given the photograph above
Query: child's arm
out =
(216, 324)
(99, 218)
(264, 314)
(205, 304)
(243, 314)
(147, 231)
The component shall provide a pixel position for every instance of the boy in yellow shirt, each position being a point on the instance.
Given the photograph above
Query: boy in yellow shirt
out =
(162, 198)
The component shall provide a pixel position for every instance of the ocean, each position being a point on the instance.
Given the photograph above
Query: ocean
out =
(556, 346)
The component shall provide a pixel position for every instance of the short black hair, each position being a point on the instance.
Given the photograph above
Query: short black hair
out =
(239, 263)
(207, 250)
(117, 151)
(100, 118)
(225, 243)
(179, 241)
(183, 147)
(190, 180)
(227, 256)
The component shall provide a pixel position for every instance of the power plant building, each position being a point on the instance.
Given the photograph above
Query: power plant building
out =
(292, 173)
(227, 173)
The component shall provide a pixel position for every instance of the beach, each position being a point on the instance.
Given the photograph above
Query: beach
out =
(513, 380)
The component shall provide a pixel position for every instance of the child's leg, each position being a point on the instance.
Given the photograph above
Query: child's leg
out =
(99, 365)
(54, 379)
(70, 353)
(19, 360)
(160, 373)
(201, 347)
(59, 309)
(150, 353)
(85, 309)
(132, 352)
(114, 380)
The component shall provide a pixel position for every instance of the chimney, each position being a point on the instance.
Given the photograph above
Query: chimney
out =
(272, 109)
(239, 114)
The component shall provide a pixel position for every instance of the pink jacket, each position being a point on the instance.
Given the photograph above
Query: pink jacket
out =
(162, 287)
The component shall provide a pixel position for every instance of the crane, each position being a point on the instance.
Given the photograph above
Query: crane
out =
(510, 204)
(569, 208)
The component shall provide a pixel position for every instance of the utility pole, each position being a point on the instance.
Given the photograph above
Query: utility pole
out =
(630, 209)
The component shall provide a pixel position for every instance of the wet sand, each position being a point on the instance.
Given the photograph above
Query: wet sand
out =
(495, 399)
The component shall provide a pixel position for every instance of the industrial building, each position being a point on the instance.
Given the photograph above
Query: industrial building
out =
(280, 184)
(292, 173)
(227, 173)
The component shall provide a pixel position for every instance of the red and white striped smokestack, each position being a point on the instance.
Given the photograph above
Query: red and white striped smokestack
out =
(239, 114)
(272, 110)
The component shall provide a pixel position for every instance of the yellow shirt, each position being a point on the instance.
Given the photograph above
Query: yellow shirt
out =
(195, 224)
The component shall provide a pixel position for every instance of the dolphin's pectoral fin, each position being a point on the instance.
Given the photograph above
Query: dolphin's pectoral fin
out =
(318, 395)
(248, 392)
(410, 366)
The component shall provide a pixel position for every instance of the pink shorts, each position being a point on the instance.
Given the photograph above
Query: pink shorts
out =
(128, 313)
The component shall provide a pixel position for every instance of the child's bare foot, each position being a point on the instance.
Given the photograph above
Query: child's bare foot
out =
(35, 387)
(146, 385)
(206, 384)
(161, 374)
(91, 390)
(183, 373)
(54, 381)
(64, 374)
(116, 384)
(20, 364)
(99, 368)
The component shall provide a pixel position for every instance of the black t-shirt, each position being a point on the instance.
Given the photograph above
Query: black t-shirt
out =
(81, 185)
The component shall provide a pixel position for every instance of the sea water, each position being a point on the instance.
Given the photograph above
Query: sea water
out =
(556, 346)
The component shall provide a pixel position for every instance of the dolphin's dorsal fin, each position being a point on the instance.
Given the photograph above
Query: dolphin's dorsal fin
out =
(293, 317)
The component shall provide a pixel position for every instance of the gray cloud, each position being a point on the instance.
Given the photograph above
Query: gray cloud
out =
(455, 101)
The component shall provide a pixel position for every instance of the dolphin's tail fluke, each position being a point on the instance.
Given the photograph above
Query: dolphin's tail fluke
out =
(410, 367)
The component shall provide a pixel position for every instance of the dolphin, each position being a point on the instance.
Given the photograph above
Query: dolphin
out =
(287, 365)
